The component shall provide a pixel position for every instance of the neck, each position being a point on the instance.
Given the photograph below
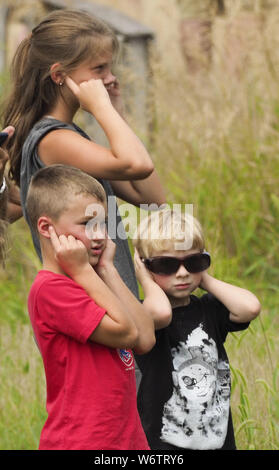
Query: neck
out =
(53, 268)
(63, 111)
(179, 302)
(49, 261)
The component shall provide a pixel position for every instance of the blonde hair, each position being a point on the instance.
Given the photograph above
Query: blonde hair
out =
(68, 37)
(52, 189)
(168, 230)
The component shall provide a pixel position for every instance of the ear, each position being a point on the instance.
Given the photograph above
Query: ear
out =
(43, 225)
(56, 73)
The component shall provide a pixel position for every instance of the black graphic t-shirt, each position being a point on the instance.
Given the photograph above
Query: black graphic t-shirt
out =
(184, 395)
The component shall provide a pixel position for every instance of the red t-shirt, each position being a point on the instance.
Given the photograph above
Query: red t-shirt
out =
(91, 388)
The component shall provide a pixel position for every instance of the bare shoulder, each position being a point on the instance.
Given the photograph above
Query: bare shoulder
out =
(56, 145)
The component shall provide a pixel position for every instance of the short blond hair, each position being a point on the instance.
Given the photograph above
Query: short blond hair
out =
(52, 189)
(166, 230)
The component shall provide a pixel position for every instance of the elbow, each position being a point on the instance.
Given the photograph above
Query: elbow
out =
(250, 312)
(162, 319)
(145, 345)
(130, 337)
(140, 171)
(254, 309)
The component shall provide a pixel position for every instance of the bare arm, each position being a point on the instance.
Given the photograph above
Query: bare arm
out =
(242, 304)
(116, 329)
(126, 158)
(155, 300)
(138, 313)
(145, 191)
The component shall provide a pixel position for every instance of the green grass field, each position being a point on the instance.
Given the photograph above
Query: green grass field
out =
(215, 143)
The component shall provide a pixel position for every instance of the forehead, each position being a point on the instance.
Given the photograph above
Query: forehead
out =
(104, 56)
(176, 253)
(85, 205)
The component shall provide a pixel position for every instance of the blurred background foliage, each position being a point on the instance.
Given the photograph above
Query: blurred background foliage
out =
(214, 113)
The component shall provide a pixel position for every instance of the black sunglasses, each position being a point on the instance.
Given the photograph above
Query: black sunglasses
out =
(195, 263)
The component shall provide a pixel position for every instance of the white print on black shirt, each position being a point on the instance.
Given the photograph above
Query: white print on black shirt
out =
(196, 415)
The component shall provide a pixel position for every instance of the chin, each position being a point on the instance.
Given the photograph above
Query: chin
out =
(179, 294)
(93, 260)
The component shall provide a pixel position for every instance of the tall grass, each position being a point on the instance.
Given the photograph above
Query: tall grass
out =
(215, 142)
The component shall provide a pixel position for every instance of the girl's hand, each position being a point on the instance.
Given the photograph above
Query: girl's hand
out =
(70, 253)
(92, 95)
(141, 272)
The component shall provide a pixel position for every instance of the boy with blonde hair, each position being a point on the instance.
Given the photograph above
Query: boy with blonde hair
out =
(85, 319)
(184, 395)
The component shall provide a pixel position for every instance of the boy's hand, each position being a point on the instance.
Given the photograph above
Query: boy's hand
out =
(107, 257)
(155, 301)
(92, 95)
(142, 273)
(241, 303)
(70, 253)
(205, 279)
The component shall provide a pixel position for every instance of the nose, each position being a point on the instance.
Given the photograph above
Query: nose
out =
(96, 231)
(109, 77)
(99, 232)
(182, 271)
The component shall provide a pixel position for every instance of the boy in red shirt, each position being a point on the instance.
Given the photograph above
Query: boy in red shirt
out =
(84, 318)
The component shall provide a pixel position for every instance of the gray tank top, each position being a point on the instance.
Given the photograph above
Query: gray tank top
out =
(31, 163)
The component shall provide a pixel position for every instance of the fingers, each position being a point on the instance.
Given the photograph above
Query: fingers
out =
(75, 88)
(60, 242)
(137, 258)
(10, 131)
(72, 85)
(142, 272)
(63, 241)
(54, 238)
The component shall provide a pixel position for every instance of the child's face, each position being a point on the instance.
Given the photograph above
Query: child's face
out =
(180, 285)
(97, 69)
(90, 229)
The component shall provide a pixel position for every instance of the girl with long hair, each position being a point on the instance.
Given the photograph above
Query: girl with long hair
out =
(65, 64)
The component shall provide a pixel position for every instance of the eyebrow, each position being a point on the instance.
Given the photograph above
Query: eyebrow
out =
(87, 218)
(102, 64)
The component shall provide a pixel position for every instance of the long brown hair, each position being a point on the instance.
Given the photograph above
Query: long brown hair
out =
(68, 37)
